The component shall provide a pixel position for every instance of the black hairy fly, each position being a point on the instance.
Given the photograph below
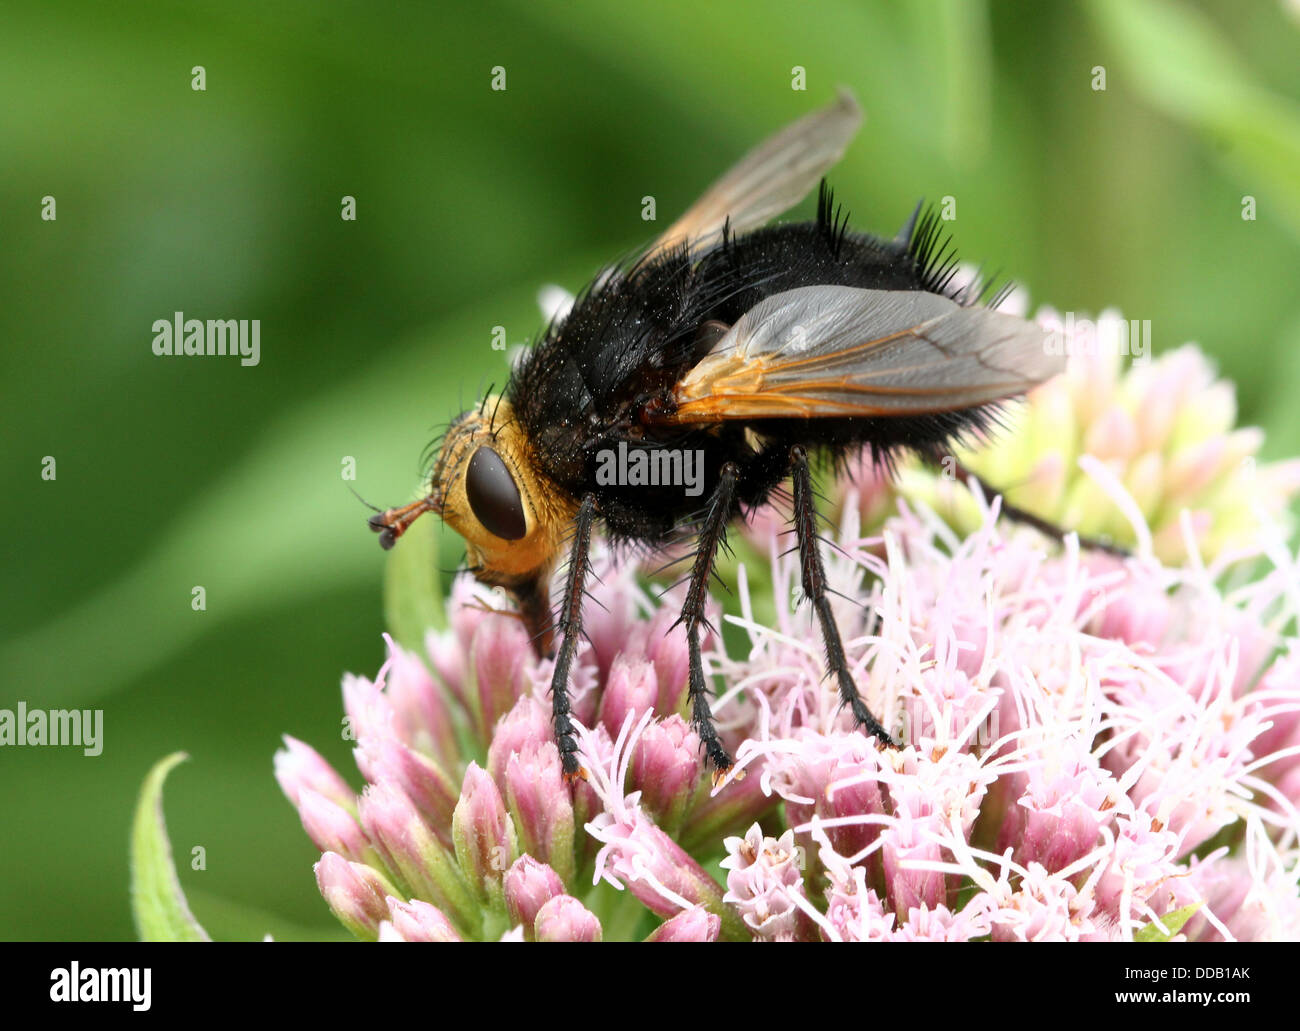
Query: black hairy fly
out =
(746, 349)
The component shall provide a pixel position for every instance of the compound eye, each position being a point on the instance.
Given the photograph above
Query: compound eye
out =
(493, 496)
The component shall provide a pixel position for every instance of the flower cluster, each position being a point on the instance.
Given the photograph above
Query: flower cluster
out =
(466, 829)
(1158, 438)
(1091, 747)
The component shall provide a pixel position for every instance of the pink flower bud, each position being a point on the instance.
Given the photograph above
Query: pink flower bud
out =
(540, 803)
(483, 833)
(528, 886)
(417, 921)
(936, 789)
(370, 714)
(632, 687)
(469, 607)
(527, 725)
(448, 661)
(299, 766)
(853, 791)
(664, 644)
(418, 777)
(1059, 811)
(1134, 607)
(501, 660)
(666, 770)
(832, 777)
(355, 893)
(423, 719)
(690, 925)
(608, 623)
(414, 854)
(565, 919)
(332, 828)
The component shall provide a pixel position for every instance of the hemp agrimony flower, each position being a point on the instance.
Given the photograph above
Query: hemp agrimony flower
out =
(1092, 747)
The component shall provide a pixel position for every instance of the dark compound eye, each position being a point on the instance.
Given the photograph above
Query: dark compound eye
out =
(493, 495)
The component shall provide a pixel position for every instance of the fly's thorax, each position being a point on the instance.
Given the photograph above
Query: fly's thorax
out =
(489, 489)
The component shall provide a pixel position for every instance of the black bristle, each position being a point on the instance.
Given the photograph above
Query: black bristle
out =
(832, 220)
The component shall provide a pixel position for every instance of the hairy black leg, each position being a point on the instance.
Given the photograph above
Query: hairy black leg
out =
(570, 627)
(1026, 518)
(814, 589)
(712, 534)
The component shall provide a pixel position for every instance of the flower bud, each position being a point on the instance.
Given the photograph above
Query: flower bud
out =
(565, 919)
(355, 893)
(540, 803)
(483, 833)
(633, 686)
(500, 661)
(690, 925)
(299, 766)
(332, 828)
(420, 706)
(666, 769)
(414, 853)
(417, 921)
(528, 886)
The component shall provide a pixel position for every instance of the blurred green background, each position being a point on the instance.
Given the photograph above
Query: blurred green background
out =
(225, 203)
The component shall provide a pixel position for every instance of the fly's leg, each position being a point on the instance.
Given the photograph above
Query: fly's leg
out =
(712, 535)
(1026, 518)
(569, 625)
(814, 589)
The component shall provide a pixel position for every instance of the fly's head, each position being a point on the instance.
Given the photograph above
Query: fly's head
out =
(487, 487)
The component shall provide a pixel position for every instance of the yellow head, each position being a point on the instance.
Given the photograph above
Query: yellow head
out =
(487, 487)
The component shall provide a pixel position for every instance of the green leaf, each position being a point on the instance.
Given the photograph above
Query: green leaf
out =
(1173, 923)
(412, 599)
(157, 902)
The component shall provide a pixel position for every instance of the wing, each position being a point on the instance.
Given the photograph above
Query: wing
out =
(822, 351)
(772, 178)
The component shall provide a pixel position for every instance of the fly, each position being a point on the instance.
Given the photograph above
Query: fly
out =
(748, 349)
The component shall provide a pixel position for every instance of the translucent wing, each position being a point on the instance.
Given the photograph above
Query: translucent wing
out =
(823, 351)
(770, 179)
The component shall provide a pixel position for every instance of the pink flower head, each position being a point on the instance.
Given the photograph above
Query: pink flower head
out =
(1087, 744)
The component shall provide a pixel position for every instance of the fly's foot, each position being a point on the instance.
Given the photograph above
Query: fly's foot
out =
(863, 718)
